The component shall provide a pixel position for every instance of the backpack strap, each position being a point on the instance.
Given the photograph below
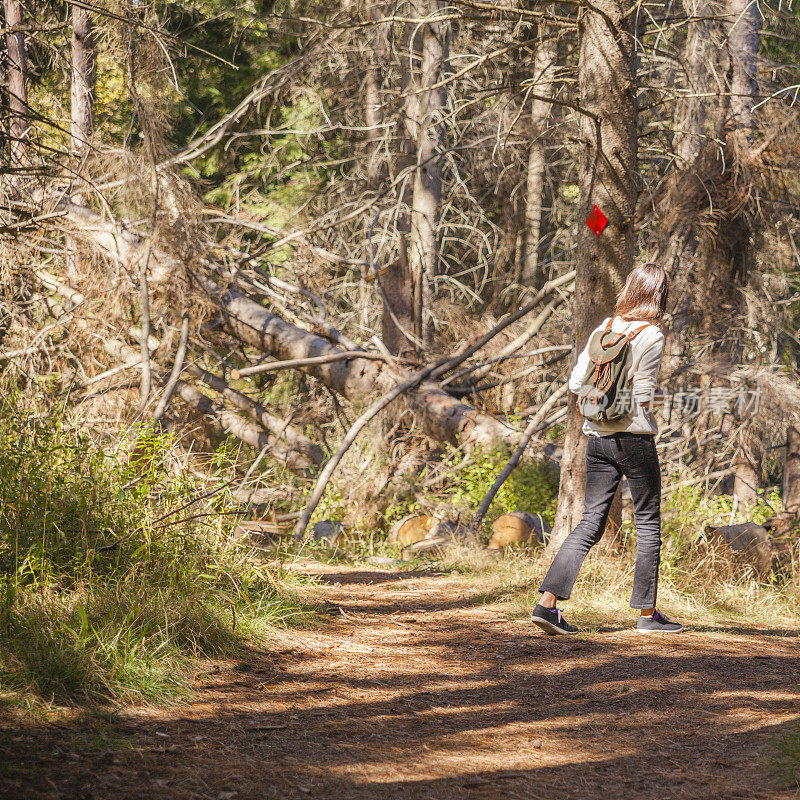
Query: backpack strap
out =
(633, 334)
(619, 336)
(602, 370)
(606, 331)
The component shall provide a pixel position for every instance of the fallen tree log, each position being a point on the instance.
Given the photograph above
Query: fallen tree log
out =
(281, 428)
(442, 417)
(226, 421)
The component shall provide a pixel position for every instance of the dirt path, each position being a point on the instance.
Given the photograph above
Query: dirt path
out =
(417, 690)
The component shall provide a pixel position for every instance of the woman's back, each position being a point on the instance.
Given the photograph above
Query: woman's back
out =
(646, 351)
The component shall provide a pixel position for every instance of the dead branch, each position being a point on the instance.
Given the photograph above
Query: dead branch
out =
(177, 367)
(308, 362)
(532, 428)
(229, 422)
(270, 422)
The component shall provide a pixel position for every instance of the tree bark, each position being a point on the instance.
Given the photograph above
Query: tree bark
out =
(544, 68)
(425, 59)
(706, 209)
(82, 82)
(17, 82)
(791, 471)
(698, 58)
(81, 110)
(743, 22)
(398, 330)
(607, 83)
(376, 171)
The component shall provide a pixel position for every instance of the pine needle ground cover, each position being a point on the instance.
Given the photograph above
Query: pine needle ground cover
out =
(115, 573)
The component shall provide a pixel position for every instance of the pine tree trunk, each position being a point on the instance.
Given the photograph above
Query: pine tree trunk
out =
(81, 112)
(82, 83)
(607, 82)
(397, 316)
(17, 82)
(705, 213)
(544, 68)
(791, 471)
(743, 22)
(428, 51)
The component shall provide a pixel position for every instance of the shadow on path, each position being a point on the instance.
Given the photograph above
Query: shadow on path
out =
(447, 705)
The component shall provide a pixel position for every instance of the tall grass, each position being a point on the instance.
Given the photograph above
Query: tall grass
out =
(700, 581)
(113, 578)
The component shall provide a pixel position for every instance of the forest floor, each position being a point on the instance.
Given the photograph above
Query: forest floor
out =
(422, 686)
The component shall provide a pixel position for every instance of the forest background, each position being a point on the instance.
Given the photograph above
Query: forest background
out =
(232, 233)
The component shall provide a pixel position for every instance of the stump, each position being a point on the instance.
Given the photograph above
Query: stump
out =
(328, 532)
(748, 541)
(518, 528)
(411, 529)
(439, 535)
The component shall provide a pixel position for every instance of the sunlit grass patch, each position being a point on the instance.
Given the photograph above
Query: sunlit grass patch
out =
(113, 577)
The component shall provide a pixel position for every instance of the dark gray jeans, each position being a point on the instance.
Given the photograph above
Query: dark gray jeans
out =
(608, 458)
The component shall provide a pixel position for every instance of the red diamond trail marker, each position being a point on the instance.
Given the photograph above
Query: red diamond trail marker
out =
(596, 221)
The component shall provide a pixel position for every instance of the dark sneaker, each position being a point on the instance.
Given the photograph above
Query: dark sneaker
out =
(551, 621)
(658, 622)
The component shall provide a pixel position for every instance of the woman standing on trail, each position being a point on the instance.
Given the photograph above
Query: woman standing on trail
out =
(615, 380)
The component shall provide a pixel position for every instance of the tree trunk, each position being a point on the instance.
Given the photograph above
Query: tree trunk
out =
(544, 68)
(397, 320)
(706, 209)
(691, 112)
(607, 82)
(791, 471)
(376, 171)
(427, 53)
(81, 111)
(743, 21)
(82, 84)
(17, 78)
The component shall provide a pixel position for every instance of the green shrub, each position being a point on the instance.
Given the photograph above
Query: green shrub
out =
(112, 575)
(532, 486)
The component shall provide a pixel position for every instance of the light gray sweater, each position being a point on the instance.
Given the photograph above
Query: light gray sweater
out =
(646, 351)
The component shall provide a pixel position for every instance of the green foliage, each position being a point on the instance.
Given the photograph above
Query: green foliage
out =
(112, 577)
(687, 510)
(532, 486)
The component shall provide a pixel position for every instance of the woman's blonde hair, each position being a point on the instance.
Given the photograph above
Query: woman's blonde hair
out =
(644, 295)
